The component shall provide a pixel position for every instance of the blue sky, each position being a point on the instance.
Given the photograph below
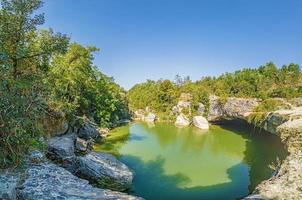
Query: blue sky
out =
(152, 39)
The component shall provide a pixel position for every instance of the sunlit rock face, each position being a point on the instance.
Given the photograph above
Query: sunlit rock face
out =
(105, 170)
(275, 119)
(287, 181)
(201, 122)
(286, 184)
(182, 121)
(48, 181)
(233, 108)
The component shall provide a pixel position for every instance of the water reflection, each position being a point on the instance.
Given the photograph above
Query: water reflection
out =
(225, 162)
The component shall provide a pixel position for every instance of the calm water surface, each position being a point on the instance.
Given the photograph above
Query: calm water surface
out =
(225, 162)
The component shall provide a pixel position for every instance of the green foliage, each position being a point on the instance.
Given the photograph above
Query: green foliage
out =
(79, 89)
(43, 77)
(21, 109)
(264, 82)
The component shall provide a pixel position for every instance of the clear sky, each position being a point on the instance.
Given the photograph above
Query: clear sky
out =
(152, 39)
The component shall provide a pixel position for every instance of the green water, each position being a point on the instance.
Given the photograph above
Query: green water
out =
(225, 162)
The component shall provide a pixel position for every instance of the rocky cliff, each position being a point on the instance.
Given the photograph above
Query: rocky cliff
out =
(287, 124)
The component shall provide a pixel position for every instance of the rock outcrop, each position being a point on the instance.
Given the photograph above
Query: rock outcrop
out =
(106, 171)
(61, 150)
(287, 124)
(286, 185)
(182, 121)
(88, 131)
(275, 119)
(48, 182)
(8, 186)
(287, 182)
(233, 108)
(201, 122)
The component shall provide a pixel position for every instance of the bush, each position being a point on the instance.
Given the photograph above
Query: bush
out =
(259, 114)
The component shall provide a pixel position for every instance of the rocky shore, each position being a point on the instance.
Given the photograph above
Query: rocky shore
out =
(69, 170)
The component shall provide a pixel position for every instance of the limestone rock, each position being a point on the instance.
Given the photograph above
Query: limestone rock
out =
(105, 170)
(48, 182)
(287, 183)
(201, 122)
(290, 133)
(240, 108)
(61, 151)
(150, 117)
(8, 186)
(275, 119)
(216, 110)
(231, 108)
(182, 120)
(88, 131)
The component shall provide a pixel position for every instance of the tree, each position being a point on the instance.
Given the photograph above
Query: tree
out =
(22, 47)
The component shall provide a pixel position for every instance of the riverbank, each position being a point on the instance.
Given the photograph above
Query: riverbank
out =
(68, 169)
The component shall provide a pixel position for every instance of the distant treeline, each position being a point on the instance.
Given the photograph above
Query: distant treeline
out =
(264, 82)
(45, 78)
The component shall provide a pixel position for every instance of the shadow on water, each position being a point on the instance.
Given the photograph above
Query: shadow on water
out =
(263, 150)
(161, 186)
(152, 182)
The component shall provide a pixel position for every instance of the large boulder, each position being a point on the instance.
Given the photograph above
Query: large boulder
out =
(290, 133)
(231, 108)
(61, 151)
(105, 170)
(182, 121)
(88, 131)
(150, 117)
(201, 122)
(276, 118)
(240, 108)
(49, 182)
(8, 186)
